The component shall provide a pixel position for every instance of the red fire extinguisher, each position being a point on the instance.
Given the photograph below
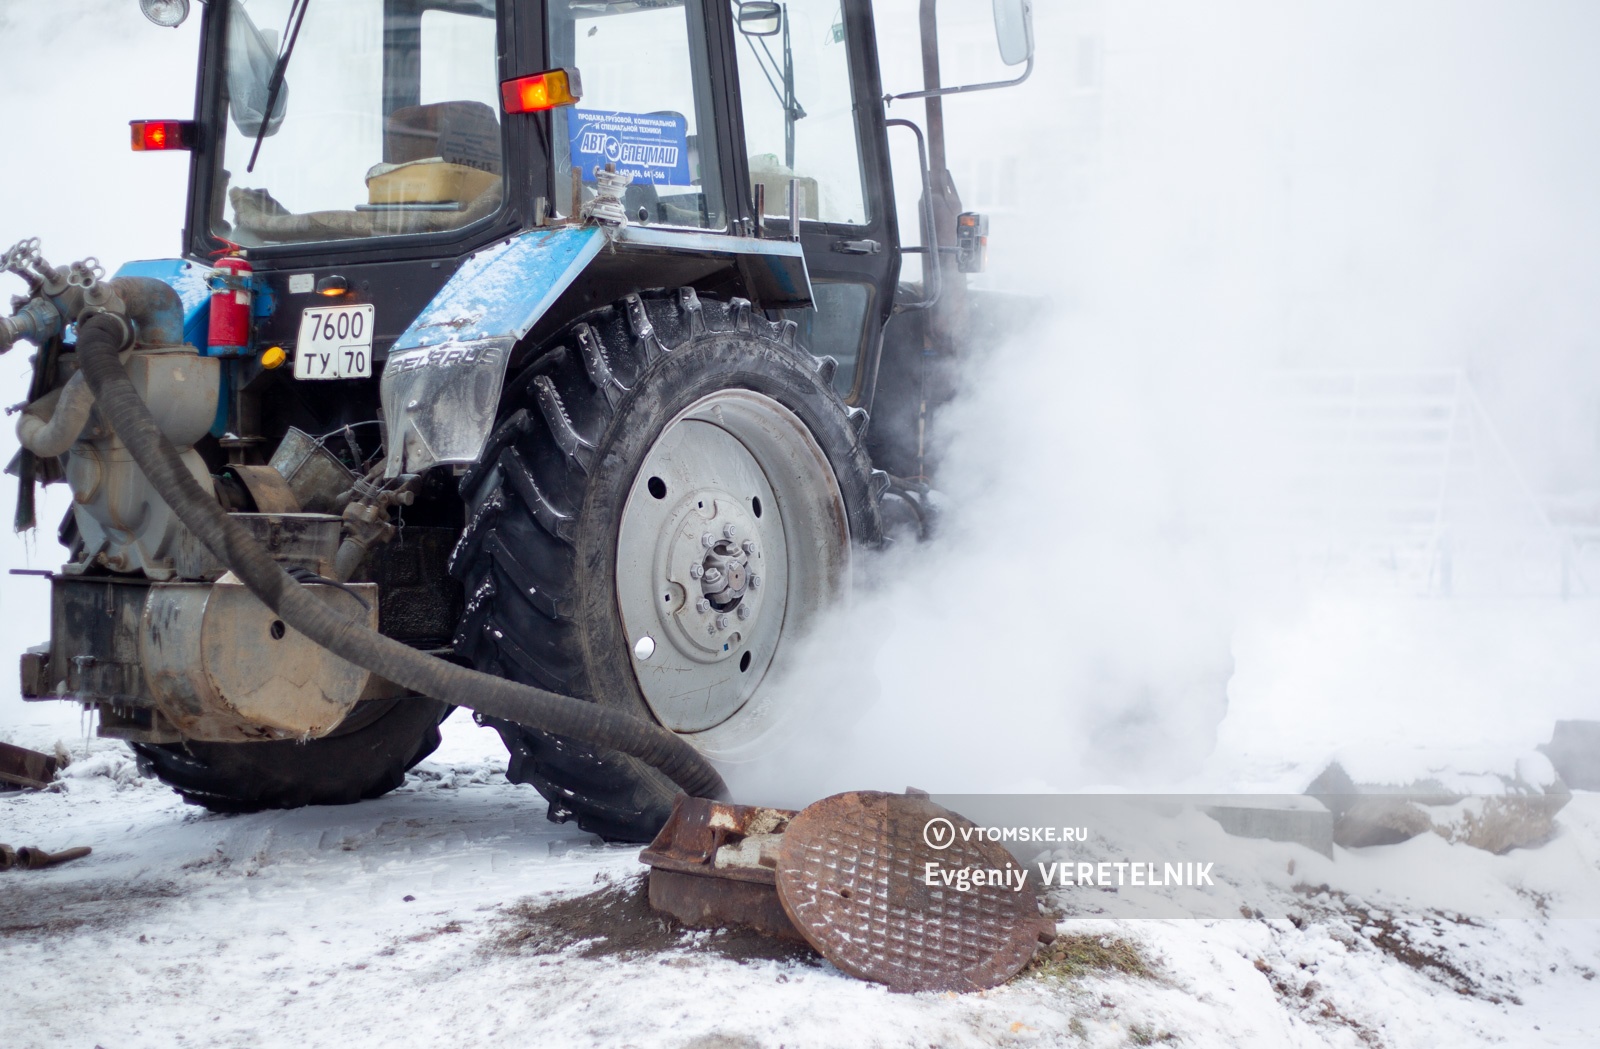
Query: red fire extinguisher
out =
(229, 332)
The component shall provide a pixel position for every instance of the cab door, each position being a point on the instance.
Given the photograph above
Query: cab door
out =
(809, 115)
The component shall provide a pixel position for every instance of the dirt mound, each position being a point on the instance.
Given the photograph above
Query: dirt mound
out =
(618, 921)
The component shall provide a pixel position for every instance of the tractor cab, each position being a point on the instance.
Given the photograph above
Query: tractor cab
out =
(386, 140)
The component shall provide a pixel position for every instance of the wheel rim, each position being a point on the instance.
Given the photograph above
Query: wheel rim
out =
(734, 537)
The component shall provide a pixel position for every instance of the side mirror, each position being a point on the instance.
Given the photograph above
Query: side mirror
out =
(1013, 27)
(763, 18)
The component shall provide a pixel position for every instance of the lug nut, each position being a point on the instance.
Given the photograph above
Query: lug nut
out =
(744, 611)
(708, 540)
(729, 531)
(749, 547)
(696, 571)
(722, 621)
(702, 605)
(755, 581)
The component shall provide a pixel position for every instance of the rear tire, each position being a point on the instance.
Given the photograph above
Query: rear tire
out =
(366, 760)
(568, 533)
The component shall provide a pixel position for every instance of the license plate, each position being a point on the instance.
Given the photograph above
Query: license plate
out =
(335, 343)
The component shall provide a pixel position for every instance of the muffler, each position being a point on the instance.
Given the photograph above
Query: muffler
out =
(222, 666)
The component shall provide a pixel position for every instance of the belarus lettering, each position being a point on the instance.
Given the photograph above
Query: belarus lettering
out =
(444, 357)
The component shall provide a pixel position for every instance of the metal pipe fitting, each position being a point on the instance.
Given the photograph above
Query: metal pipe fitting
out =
(34, 322)
(29, 858)
(51, 425)
(154, 308)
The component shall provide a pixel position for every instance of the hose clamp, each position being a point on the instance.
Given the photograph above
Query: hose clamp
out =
(126, 339)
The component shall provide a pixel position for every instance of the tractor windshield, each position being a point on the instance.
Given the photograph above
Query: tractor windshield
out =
(646, 108)
(383, 122)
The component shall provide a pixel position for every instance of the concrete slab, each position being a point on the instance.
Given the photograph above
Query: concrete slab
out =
(1302, 821)
(1574, 750)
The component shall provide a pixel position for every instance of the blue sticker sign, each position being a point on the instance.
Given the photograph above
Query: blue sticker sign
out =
(651, 148)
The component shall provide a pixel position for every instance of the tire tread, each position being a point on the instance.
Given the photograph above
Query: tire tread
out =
(522, 513)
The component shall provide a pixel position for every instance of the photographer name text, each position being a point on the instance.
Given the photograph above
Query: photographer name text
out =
(1102, 874)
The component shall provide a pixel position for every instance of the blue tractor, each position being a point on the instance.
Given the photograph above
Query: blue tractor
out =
(521, 357)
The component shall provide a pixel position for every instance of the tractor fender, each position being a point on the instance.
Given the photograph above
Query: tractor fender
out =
(442, 382)
(441, 385)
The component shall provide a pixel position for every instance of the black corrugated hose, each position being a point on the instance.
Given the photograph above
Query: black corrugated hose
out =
(101, 337)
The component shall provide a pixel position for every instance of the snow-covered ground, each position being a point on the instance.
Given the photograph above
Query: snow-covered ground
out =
(397, 921)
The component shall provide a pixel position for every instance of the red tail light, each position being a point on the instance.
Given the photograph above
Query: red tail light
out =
(153, 135)
(541, 91)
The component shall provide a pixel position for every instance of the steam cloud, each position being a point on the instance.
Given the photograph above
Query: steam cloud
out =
(1207, 193)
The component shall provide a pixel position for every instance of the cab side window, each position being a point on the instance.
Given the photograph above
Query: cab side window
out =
(645, 112)
(799, 113)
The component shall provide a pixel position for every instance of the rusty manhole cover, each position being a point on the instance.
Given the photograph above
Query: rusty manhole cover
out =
(853, 876)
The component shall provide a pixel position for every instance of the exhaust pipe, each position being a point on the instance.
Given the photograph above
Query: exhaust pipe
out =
(101, 338)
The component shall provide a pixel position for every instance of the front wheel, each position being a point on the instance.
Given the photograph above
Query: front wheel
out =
(669, 503)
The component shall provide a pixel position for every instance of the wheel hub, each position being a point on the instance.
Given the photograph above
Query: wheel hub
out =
(713, 559)
(724, 576)
(733, 537)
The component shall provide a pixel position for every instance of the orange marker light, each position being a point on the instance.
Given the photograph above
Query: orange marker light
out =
(157, 135)
(541, 91)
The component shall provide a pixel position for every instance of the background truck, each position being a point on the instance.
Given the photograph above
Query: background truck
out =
(520, 356)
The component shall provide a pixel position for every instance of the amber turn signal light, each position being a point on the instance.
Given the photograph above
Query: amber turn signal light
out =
(154, 135)
(541, 91)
